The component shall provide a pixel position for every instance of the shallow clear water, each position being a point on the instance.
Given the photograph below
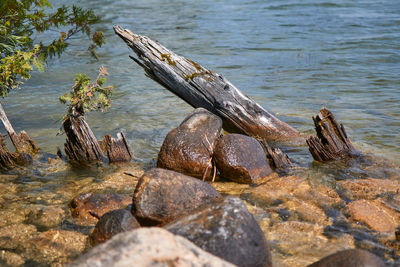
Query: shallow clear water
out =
(292, 57)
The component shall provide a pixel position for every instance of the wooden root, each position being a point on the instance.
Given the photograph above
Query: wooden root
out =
(275, 156)
(331, 142)
(9, 160)
(201, 87)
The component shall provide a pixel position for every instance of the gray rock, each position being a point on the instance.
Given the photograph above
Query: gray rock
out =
(112, 223)
(163, 195)
(188, 148)
(241, 158)
(350, 258)
(227, 230)
(148, 247)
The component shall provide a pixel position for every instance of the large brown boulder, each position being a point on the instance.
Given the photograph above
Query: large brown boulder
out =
(350, 258)
(188, 148)
(227, 230)
(148, 247)
(241, 158)
(162, 195)
(83, 205)
(112, 223)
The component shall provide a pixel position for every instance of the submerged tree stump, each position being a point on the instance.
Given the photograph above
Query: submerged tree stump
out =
(331, 142)
(201, 87)
(22, 142)
(117, 150)
(81, 145)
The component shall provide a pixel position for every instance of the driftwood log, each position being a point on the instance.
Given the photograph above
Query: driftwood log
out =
(82, 146)
(331, 142)
(201, 87)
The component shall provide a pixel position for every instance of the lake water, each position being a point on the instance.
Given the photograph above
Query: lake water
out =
(292, 57)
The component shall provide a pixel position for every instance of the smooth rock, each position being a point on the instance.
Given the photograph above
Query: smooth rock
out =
(99, 204)
(227, 230)
(368, 188)
(241, 158)
(148, 247)
(162, 195)
(375, 215)
(188, 149)
(112, 223)
(350, 258)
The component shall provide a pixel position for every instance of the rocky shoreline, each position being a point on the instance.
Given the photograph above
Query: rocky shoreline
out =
(249, 216)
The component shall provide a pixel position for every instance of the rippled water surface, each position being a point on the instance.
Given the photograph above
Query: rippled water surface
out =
(292, 57)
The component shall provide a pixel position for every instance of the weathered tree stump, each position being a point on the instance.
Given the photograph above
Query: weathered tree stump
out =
(331, 141)
(22, 142)
(9, 160)
(117, 150)
(81, 145)
(276, 157)
(201, 87)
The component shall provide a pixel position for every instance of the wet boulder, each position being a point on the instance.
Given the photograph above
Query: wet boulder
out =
(162, 195)
(227, 230)
(98, 204)
(112, 223)
(148, 247)
(350, 258)
(188, 148)
(241, 158)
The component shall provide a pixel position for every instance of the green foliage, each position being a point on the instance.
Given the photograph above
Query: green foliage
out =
(86, 96)
(23, 20)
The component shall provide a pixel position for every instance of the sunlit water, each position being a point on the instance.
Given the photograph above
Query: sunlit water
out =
(292, 57)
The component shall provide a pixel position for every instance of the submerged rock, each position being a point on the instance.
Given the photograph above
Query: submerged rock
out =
(162, 195)
(8, 258)
(45, 216)
(112, 223)
(350, 258)
(368, 188)
(227, 230)
(188, 148)
(148, 247)
(14, 237)
(84, 204)
(375, 215)
(55, 247)
(241, 159)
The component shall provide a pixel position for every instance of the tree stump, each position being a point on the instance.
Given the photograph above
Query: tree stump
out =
(81, 145)
(117, 150)
(331, 142)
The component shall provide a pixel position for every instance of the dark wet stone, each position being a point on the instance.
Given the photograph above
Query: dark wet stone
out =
(112, 223)
(97, 204)
(241, 159)
(350, 258)
(162, 195)
(188, 148)
(227, 230)
(145, 247)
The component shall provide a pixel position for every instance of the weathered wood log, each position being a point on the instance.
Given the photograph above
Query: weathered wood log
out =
(81, 145)
(117, 150)
(22, 142)
(331, 141)
(201, 87)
